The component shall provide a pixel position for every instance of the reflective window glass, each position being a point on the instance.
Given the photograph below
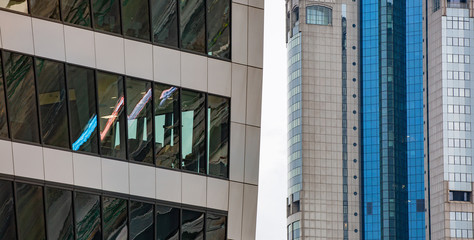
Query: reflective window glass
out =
(141, 221)
(192, 225)
(218, 140)
(45, 8)
(192, 25)
(87, 216)
(106, 15)
(165, 22)
(52, 102)
(21, 97)
(318, 15)
(139, 115)
(76, 12)
(215, 227)
(30, 211)
(115, 218)
(15, 5)
(167, 125)
(3, 109)
(111, 115)
(7, 211)
(193, 131)
(82, 109)
(59, 217)
(218, 28)
(135, 19)
(167, 223)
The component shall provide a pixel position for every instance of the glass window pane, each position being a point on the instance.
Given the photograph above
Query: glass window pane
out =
(111, 115)
(115, 218)
(167, 126)
(165, 22)
(3, 109)
(218, 140)
(30, 211)
(193, 131)
(59, 214)
(15, 5)
(82, 109)
(76, 12)
(192, 225)
(215, 227)
(141, 221)
(52, 102)
(106, 15)
(139, 115)
(167, 223)
(218, 28)
(135, 20)
(21, 97)
(7, 211)
(192, 25)
(45, 8)
(87, 216)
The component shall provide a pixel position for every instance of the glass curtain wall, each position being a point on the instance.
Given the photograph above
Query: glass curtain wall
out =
(218, 135)
(193, 25)
(45, 8)
(76, 12)
(218, 28)
(164, 16)
(7, 211)
(59, 213)
(3, 106)
(30, 212)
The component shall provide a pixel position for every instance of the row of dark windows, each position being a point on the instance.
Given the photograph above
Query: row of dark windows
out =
(31, 211)
(116, 116)
(197, 25)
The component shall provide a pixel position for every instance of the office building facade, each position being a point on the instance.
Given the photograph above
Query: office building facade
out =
(130, 119)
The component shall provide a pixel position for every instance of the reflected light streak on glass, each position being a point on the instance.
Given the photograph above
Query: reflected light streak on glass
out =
(112, 117)
(86, 134)
(167, 94)
(140, 105)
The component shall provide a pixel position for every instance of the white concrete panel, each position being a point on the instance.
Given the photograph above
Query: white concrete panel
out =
(80, 46)
(249, 214)
(142, 180)
(217, 194)
(109, 53)
(255, 36)
(237, 152)
(239, 93)
(168, 185)
(28, 161)
(167, 65)
(193, 189)
(219, 80)
(48, 38)
(239, 32)
(256, 3)
(252, 153)
(193, 71)
(87, 171)
(58, 166)
(138, 59)
(254, 96)
(6, 161)
(236, 195)
(17, 36)
(115, 176)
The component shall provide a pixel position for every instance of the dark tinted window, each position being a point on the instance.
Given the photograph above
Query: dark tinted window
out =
(192, 25)
(141, 221)
(192, 225)
(218, 139)
(15, 5)
(167, 126)
(87, 216)
(193, 131)
(135, 20)
(82, 109)
(76, 12)
(107, 15)
(7, 211)
(52, 102)
(165, 21)
(30, 211)
(3, 109)
(459, 196)
(420, 205)
(45, 8)
(59, 214)
(215, 227)
(139, 115)
(218, 28)
(167, 223)
(115, 218)
(111, 115)
(21, 97)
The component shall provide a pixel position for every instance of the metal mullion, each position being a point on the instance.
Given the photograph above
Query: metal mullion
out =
(102, 227)
(153, 141)
(96, 87)
(129, 203)
(91, 13)
(204, 225)
(230, 37)
(206, 133)
(180, 231)
(178, 15)
(2, 70)
(68, 112)
(60, 11)
(124, 86)
(45, 213)
(150, 21)
(73, 209)
(15, 202)
(228, 141)
(38, 113)
(121, 18)
(205, 28)
(180, 125)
